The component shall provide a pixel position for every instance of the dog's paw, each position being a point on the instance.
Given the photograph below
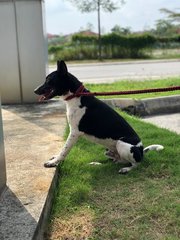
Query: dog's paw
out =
(110, 154)
(95, 163)
(124, 170)
(114, 156)
(51, 163)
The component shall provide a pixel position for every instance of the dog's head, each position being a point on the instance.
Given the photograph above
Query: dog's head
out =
(57, 83)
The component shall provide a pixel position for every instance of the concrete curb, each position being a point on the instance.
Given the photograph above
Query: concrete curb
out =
(44, 217)
(118, 62)
(141, 107)
(149, 106)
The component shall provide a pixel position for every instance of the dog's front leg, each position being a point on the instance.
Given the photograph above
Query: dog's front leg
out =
(72, 139)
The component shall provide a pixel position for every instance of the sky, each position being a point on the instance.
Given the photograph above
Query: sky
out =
(62, 17)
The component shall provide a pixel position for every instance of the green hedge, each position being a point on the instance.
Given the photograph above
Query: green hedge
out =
(81, 39)
(113, 46)
(127, 46)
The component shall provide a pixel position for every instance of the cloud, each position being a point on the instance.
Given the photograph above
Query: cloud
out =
(63, 17)
(57, 6)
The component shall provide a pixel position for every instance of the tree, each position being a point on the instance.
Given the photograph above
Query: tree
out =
(173, 16)
(97, 5)
(88, 27)
(167, 27)
(120, 30)
(164, 27)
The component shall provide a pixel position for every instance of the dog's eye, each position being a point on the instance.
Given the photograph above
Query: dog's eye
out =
(50, 79)
(48, 82)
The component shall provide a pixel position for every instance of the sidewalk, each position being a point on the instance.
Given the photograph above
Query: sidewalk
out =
(167, 121)
(33, 134)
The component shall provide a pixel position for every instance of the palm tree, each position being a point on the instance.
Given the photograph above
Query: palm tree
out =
(173, 16)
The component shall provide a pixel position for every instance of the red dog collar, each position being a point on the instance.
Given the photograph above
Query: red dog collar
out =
(76, 94)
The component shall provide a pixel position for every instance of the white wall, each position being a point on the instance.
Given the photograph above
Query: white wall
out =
(23, 50)
(9, 74)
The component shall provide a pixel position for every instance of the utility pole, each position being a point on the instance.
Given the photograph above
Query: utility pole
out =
(99, 31)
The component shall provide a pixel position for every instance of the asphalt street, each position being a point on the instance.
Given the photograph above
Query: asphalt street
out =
(108, 72)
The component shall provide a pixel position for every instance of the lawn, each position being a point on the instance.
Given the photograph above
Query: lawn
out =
(134, 85)
(96, 203)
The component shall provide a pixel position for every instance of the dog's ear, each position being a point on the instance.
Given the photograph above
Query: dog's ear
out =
(61, 67)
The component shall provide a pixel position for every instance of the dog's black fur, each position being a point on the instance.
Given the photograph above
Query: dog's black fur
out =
(92, 117)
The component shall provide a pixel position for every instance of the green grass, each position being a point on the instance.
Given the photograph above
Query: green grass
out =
(134, 85)
(97, 203)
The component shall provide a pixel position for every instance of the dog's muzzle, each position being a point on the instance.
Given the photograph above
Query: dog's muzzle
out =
(45, 93)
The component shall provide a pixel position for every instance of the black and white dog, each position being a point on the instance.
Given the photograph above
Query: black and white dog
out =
(91, 117)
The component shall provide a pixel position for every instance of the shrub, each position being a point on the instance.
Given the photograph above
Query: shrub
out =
(113, 46)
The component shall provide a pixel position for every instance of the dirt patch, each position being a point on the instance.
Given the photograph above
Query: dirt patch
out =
(78, 226)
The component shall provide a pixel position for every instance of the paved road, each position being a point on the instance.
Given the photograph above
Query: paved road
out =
(113, 71)
(168, 121)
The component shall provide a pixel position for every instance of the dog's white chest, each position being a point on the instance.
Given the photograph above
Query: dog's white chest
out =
(74, 112)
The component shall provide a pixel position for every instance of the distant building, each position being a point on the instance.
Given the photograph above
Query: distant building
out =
(61, 39)
(88, 33)
(52, 36)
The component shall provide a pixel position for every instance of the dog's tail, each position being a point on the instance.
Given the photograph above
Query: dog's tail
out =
(155, 147)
